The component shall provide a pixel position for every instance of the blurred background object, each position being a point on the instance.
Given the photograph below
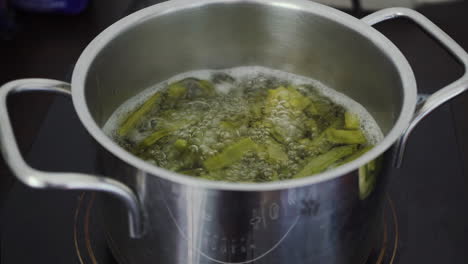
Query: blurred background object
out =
(53, 6)
(379, 4)
(6, 21)
(6, 28)
(362, 5)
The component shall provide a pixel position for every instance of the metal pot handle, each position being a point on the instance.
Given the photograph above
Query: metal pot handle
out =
(65, 181)
(429, 103)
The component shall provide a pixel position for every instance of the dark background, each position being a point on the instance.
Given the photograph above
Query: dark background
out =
(430, 191)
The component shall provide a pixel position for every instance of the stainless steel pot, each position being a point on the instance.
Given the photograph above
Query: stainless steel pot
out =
(173, 218)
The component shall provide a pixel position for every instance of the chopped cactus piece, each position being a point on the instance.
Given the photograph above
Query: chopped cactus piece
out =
(276, 135)
(193, 88)
(333, 115)
(234, 122)
(227, 125)
(351, 121)
(134, 117)
(337, 136)
(181, 144)
(256, 110)
(297, 100)
(153, 138)
(275, 176)
(207, 87)
(321, 143)
(284, 109)
(355, 156)
(167, 130)
(311, 125)
(324, 107)
(230, 154)
(321, 163)
(312, 110)
(176, 91)
(190, 159)
(290, 96)
(276, 153)
(368, 177)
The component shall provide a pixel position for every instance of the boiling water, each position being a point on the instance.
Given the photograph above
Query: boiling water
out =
(236, 90)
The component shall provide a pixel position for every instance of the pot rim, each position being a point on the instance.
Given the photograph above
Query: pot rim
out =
(359, 27)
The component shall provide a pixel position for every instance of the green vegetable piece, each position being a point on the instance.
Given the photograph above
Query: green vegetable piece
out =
(337, 136)
(351, 121)
(322, 162)
(234, 122)
(231, 125)
(325, 114)
(312, 110)
(176, 91)
(311, 125)
(320, 144)
(293, 99)
(134, 117)
(276, 135)
(368, 177)
(256, 110)
(275, 176)
(193, 88)
(153, 138)
(227, 125)
(289, 103)
(166, 131)
(324, 107)
(275, 152)
(180, 144)
(297, 100)
(207, 87)
(230, 154)
(190, 159)
(355, 156)
(274, 96)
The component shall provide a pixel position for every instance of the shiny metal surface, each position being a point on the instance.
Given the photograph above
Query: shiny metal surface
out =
(320, 219)
(443, 95)
(66, 181)
(325, 222)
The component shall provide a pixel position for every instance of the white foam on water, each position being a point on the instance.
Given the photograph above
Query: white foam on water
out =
(224, 88)
(368, 123)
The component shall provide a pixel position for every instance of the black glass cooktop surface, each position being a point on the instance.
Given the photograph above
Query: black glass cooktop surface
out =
(426, 217)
